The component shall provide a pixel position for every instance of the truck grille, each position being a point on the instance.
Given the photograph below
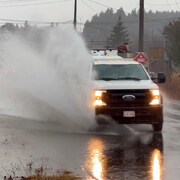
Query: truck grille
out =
(114, 98)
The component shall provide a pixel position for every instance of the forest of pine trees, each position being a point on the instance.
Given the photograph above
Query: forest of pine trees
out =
(100, 28)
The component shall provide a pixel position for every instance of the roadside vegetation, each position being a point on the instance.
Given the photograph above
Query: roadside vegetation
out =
(172, 88)
(62, 176)
(33, 171)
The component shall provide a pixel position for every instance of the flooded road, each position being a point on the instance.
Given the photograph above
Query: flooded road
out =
(124, 152)
(43, 84)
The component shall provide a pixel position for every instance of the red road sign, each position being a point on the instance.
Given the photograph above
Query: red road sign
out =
(141, 58)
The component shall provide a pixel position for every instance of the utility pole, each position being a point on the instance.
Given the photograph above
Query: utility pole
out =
(75, 14)
(141, 26)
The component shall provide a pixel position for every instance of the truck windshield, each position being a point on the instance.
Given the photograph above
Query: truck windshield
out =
(119, 72)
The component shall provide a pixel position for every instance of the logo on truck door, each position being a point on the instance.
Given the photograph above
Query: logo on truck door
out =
(128, 97)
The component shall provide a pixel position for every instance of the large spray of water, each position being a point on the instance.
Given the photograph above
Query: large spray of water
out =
(48, 84)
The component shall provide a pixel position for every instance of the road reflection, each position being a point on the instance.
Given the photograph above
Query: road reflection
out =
(96, 161)
(156, 165)
(132, 157)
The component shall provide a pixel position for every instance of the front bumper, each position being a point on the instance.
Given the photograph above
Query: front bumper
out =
(143, 115)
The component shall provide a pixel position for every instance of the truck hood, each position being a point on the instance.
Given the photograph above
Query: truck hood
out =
(143, 84)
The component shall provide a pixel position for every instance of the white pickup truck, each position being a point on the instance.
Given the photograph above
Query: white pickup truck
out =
(125, 93)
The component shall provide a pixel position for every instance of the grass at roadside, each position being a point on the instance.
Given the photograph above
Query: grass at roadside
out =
(35, 171)
(63, 176)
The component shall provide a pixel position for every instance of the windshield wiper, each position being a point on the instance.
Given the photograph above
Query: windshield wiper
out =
(119, 78)
(128, 78)
(107, 79)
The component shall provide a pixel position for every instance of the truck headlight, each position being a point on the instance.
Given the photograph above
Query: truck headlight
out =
(98, 98)
(156, 98)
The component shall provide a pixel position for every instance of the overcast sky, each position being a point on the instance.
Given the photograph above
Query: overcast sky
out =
(63, 10)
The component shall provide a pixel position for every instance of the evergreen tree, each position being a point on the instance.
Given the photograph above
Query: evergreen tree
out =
(171, 33)
(119, 34)
(9, 27)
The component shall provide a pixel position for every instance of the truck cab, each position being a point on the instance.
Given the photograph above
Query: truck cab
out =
(125, 93)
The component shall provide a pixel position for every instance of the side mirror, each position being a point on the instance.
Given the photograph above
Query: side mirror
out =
(161, 78)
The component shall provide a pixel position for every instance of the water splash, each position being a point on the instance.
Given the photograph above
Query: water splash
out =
(50, 84)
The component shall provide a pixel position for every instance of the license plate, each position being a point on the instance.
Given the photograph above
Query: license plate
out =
(128, 113)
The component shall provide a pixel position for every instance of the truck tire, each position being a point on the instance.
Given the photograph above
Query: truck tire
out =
(158, 125)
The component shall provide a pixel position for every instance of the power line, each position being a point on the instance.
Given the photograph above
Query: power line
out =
(88, 6)
(71, 21)
(106, 6)
(102, 4)
(137, 6)
(177, 5)
(17, 1)
(36, 22)
(167, 4)
(34, 4)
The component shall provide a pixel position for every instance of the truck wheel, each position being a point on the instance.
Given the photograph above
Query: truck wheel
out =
(159, 121)
(158, 127)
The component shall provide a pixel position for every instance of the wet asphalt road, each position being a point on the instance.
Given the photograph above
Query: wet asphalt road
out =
(130, 152)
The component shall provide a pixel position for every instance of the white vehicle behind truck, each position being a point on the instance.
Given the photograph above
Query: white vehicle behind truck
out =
(125, 92)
